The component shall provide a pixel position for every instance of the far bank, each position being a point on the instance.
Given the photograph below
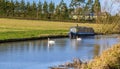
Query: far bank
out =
(21, 29)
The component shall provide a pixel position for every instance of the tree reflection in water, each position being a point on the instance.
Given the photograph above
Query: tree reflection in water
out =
(96, 50)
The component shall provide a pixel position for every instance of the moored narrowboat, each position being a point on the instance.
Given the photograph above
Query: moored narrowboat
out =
(79, 31)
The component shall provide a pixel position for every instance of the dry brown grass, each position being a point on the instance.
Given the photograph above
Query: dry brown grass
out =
(16, 25)
(110, 59)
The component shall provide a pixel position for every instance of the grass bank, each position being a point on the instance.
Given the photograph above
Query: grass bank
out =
(14, 28)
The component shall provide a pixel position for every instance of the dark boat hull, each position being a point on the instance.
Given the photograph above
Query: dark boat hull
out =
(75, 35)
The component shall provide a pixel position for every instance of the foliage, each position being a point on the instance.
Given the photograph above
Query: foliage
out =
(57, 12)
(88, 6)
(22, 7)
(34, 10)
(51, 9)
(97, 7)
(45, 9)
(76, 3)
(63, 10)
(39, 10)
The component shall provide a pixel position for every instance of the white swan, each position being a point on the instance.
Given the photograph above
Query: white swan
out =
(78, 39)
(51, 41)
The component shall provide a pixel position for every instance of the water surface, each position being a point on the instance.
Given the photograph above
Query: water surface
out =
(38, 54)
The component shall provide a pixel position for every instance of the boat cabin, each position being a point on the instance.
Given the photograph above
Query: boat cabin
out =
(78, 31)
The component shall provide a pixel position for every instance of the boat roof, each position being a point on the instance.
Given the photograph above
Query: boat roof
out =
(80, 27)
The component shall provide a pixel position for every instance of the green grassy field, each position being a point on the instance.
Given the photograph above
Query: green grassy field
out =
(13, 28)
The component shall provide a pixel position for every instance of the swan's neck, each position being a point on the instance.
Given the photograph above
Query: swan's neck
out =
(48, 39)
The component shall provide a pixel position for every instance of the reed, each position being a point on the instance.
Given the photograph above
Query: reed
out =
(110, 59)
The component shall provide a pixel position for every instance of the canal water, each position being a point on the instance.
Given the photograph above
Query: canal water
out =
(38, 54)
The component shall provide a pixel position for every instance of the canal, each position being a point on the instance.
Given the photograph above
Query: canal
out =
(38, 54)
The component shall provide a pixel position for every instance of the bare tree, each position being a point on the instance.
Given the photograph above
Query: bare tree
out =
(111, 24)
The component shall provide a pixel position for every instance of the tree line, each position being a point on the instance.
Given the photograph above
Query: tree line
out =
(49, 11)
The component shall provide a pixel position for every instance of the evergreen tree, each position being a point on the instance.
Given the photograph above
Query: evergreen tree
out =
(61, 3)
(39, 9)
(57, 12)
(76, 3)
(12, 7)
(2, 7)
(45, 9)
(76, 7)
(8, 7)
(28, 9)
(64, 11)
(51, 9)
(97, 7)
(22, 8)
(71, 4)
(34, 9)
(71, 7)
(17, 8)
(88, 6)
